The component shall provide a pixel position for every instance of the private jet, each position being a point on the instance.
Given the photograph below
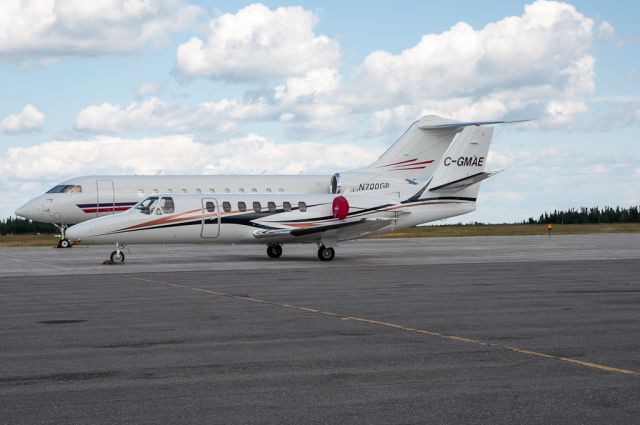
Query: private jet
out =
(433, 171)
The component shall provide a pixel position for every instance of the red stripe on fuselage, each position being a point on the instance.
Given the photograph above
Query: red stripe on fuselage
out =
(401, 162)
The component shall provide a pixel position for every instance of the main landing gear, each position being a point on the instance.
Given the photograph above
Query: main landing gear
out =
(274, 251)
(326, 254)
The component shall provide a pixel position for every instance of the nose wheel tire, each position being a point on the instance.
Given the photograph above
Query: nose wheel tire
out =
(326, 254)
(274, 251)
(117, 257)
(64, 243)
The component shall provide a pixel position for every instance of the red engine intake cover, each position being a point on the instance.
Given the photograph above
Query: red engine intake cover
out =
(340, 207)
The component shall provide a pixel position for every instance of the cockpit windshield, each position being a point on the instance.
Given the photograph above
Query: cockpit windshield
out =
(147, 205)
(65, 188)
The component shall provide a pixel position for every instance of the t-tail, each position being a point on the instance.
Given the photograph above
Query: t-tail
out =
(419, 156)
(462, 167)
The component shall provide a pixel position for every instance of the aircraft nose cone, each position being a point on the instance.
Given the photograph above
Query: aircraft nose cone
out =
(26, 211)
(76, 233)
(81, 232)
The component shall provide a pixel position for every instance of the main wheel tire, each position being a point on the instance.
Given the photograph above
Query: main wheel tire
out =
(326, 254)
(117, 257)
(64, 243)
(274, 251)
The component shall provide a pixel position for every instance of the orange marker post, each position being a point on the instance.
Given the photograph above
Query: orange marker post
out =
(549, 228)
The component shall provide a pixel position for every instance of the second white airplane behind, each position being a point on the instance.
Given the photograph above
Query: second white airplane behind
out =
(412, 157)
(425, 176)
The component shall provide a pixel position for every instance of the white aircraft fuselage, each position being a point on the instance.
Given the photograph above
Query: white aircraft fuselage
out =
(264, 218)
(83, 198)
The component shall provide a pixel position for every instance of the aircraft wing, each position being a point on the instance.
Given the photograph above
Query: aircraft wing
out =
(341, 231)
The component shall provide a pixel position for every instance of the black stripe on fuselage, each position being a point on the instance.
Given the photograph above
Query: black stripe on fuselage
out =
(439, 198)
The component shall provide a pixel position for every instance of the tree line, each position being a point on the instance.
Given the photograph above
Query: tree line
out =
(583, 215)
(16, 225)
(591, 215)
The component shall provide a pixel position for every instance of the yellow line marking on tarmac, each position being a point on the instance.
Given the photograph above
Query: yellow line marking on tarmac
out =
(576, 362)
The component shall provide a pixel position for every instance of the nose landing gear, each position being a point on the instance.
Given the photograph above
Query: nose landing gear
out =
(117, 256)
(63, 242)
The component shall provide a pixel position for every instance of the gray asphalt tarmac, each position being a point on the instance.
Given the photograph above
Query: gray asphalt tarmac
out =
(466, 330)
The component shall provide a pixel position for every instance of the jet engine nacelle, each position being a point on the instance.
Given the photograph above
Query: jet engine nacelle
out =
(366, 183)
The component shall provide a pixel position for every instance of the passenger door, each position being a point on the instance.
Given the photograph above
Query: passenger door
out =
(105, 198)
(210, 218)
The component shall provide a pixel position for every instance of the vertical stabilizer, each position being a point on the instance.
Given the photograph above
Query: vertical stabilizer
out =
(462, 166)
(415, 154)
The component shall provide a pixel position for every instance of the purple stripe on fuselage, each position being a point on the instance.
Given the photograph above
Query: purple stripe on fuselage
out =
(107, 204)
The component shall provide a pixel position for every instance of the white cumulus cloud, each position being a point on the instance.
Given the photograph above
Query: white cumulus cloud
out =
(29, 119)
(177, 154)
(155, 114)
(258, 42)
(51, 28)
(536, 65)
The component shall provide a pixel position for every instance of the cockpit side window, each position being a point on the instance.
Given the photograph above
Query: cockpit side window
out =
(167, 205)
(147, 205)
(65, 188)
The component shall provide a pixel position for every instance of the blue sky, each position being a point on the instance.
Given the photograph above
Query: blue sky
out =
(179, 87)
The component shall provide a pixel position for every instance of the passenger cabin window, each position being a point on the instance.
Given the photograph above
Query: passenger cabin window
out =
(212, 191)
(254, 190)
(268, 190)
(147, 205)
(155, 191)
(227, 191)
(226, 206)
(198, 191)
(65, 188)
(281, 190)
(272, 207)
(242, 206)
(183, 190)
(169, 190)
(257, 207)
(241, 190)
(286, 206)
(211, 207)
(302, 206)
(140, 192)
(167, 205)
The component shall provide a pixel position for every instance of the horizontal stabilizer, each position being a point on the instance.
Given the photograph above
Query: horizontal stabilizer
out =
(461, 124)
(465, 181)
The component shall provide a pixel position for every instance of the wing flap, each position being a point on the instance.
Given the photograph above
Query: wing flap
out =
(342, 230)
